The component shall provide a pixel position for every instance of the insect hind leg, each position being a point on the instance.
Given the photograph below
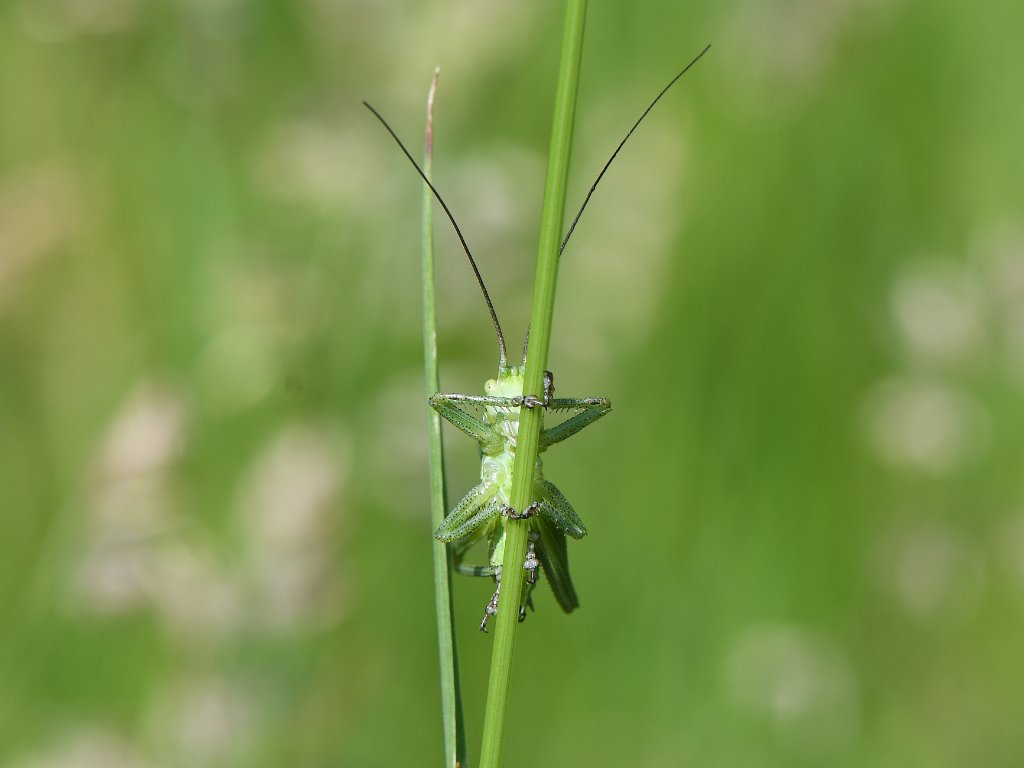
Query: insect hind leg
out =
(477, 570)
(531, 564)
(492, 605)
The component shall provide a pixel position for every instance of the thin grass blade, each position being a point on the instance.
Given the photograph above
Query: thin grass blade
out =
(451, 696)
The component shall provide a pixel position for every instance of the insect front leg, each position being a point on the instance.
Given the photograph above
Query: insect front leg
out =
(590, 409)
(448, 406)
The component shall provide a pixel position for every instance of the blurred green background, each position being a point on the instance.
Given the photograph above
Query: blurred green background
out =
(801, 285)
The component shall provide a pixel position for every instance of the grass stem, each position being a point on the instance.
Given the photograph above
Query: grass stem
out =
(536, 362)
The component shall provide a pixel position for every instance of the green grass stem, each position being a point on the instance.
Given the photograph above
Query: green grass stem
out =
(536, 362)
(451, 697)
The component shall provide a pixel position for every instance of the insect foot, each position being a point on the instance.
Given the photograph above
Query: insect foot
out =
(511, 514)
(492, 606)
(528, 603)
(532, 563)
(532, 401)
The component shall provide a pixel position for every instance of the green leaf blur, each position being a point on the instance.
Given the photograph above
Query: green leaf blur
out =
(801, 285)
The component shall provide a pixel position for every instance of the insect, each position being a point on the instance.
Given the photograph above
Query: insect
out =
(492, 420)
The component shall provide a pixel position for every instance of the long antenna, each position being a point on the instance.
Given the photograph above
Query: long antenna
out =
(622, 143)
(502, 358)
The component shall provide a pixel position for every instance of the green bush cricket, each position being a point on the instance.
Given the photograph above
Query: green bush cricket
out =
(483, 512)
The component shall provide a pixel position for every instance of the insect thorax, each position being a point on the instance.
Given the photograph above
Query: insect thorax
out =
(496, 463)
